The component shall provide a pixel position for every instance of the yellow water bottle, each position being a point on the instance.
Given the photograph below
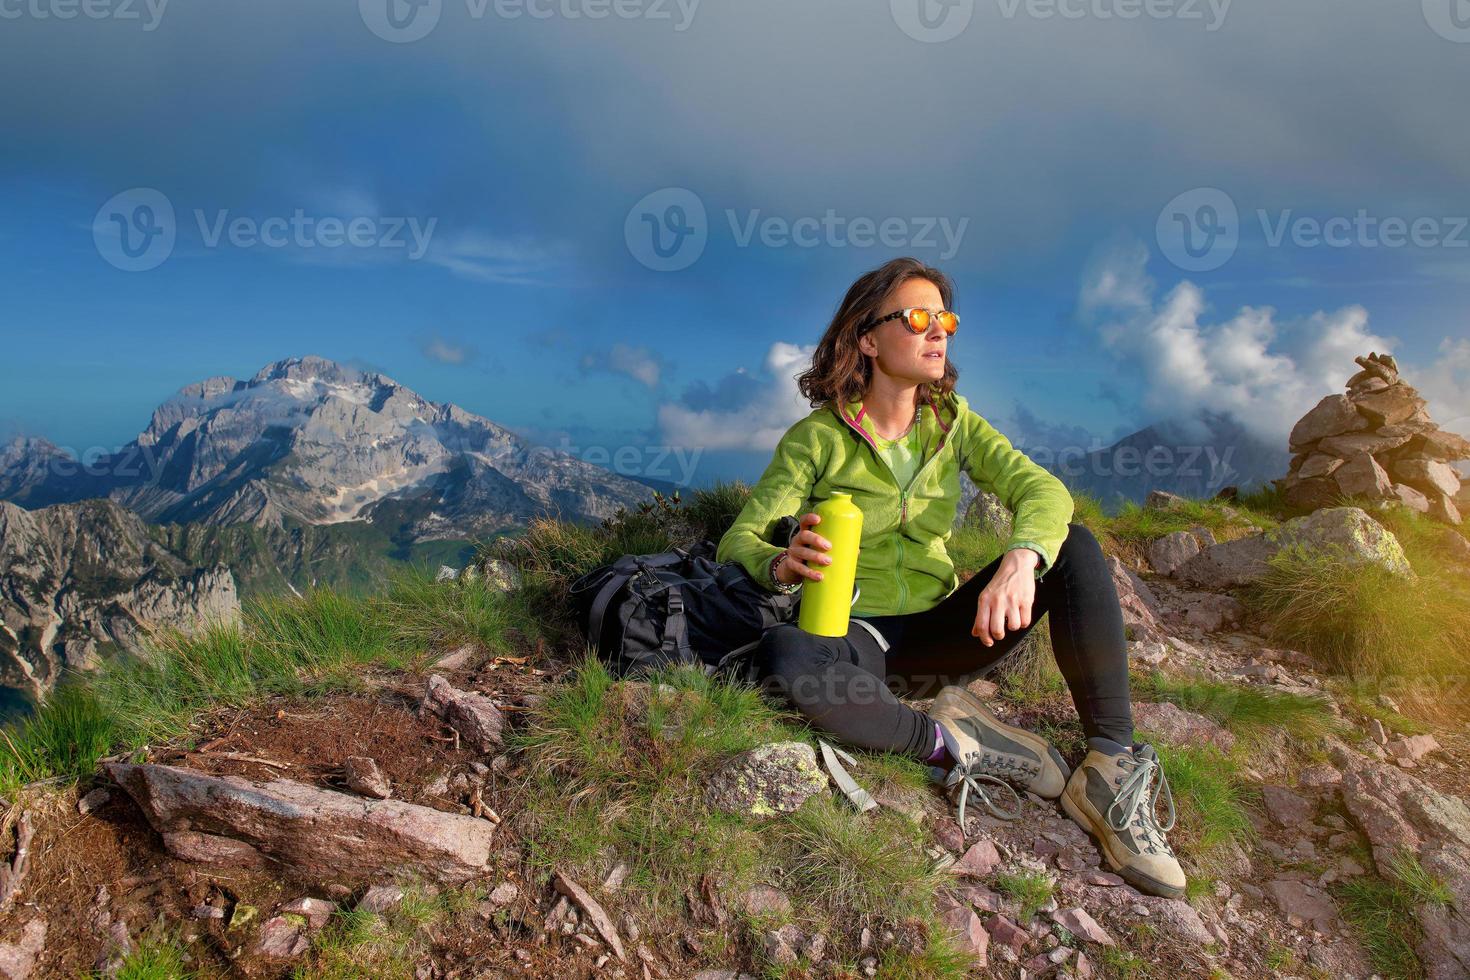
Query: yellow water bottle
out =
(826, 605)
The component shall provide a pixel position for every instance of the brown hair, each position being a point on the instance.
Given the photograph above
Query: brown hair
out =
(840, 371)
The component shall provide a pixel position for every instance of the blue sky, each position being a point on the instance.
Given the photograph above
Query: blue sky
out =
(1053, 139)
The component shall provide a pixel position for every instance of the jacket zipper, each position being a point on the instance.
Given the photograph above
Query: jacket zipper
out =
(903, 498)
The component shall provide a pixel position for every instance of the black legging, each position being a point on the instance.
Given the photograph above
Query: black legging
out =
(847, 685)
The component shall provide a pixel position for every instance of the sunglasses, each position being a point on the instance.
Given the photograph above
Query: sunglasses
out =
(917, 319)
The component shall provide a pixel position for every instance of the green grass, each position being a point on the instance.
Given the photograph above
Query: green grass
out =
(618, 768)
(321, 641)
(1129, 532)
(361, 945)
(1423, 886)
(939, 959)
(971, 548)
(1382, 914)
(1248, 711)
(1028, 889)
(1211, 800)
(1365, 622)
(156, 957)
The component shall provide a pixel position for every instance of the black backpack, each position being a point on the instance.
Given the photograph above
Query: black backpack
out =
(679, 607)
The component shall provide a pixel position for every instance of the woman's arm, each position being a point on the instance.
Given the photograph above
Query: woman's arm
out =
(1041, 503)
(781, 491)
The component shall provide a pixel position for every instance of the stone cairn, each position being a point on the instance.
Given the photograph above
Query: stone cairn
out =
(1375, 442)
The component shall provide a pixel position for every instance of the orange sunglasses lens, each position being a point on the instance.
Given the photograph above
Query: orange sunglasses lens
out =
(918, 320)
(949, 321)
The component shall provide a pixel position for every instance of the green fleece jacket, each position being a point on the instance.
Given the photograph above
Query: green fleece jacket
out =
(903, 564)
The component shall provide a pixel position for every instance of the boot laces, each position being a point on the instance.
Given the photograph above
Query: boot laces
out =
(1136, 801)
(974, 774)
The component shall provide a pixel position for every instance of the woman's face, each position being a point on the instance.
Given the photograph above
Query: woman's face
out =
(902, 354)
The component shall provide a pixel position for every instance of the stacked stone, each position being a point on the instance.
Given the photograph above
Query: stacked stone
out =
(1377, 442)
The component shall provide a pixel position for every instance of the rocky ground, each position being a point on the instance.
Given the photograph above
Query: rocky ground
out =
(273, 820)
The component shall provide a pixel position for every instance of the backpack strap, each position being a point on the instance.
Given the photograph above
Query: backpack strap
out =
(622, 570)
(676, 628)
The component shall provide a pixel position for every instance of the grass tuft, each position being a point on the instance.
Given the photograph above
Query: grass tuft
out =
(1028, 889)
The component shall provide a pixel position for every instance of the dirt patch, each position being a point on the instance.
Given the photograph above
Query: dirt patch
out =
(310, 742)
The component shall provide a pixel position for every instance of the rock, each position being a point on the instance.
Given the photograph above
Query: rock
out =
(1006, 932)
(1442, 507)
(1305, 906)
(980, 860)
(1083, 926)
(1163, 500)
(18, 959)
(1318, 465)
(774, 778)
(1207, 611)
(1428, 475)
(1178, 918)
(1361, 476)
(781, 945)
(965, 926)
(1174, 724)
(764, 900)
(1360, 538)
(1285, 808)
(316, 911)
(1409, 497)
(225, 852)
(1139, 604)
(381, 898)
(94, 800)
(364, 776)
(474, 716)
(281, 937)
(503, 894)
(1363, 443)
(446, 573)
(988, 513)
(1332, 416)
(1104, 879)
(316, 832)
(1397, 812)
(1172, 550)
(1412, 748)
(1377, 732)
(1390, 406)
(594, 912)
(1148, 652)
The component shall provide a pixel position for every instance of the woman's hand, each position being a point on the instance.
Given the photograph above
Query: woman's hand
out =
(806, 545)
(1006, 600)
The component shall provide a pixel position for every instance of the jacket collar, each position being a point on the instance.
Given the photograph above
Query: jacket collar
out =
(854, 415)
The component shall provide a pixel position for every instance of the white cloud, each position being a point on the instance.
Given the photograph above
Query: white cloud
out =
(486, 258)
(446, 352)
(759, 423)
(638, 363)
(1265, 372)
(1445, 384)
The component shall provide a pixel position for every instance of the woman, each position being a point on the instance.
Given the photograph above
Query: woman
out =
(889, 428)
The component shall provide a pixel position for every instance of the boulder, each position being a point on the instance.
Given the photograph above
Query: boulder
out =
(1399, 813)
(971, 936)
(1333, 415)
(1287, 809)
(1318, 464)
(1428, 475)
(1140, 606)
(1172, 550)
(1305, 906)
(1349, 530)
(1174, 724)
(472, 715)
(1361, 476)
(1347, 446)
(315, 833)
(1390, 406)
(1409, 497)
(769, 779)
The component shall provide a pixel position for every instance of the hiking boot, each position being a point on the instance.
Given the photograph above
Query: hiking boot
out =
(988, 753)
(1114, 795)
